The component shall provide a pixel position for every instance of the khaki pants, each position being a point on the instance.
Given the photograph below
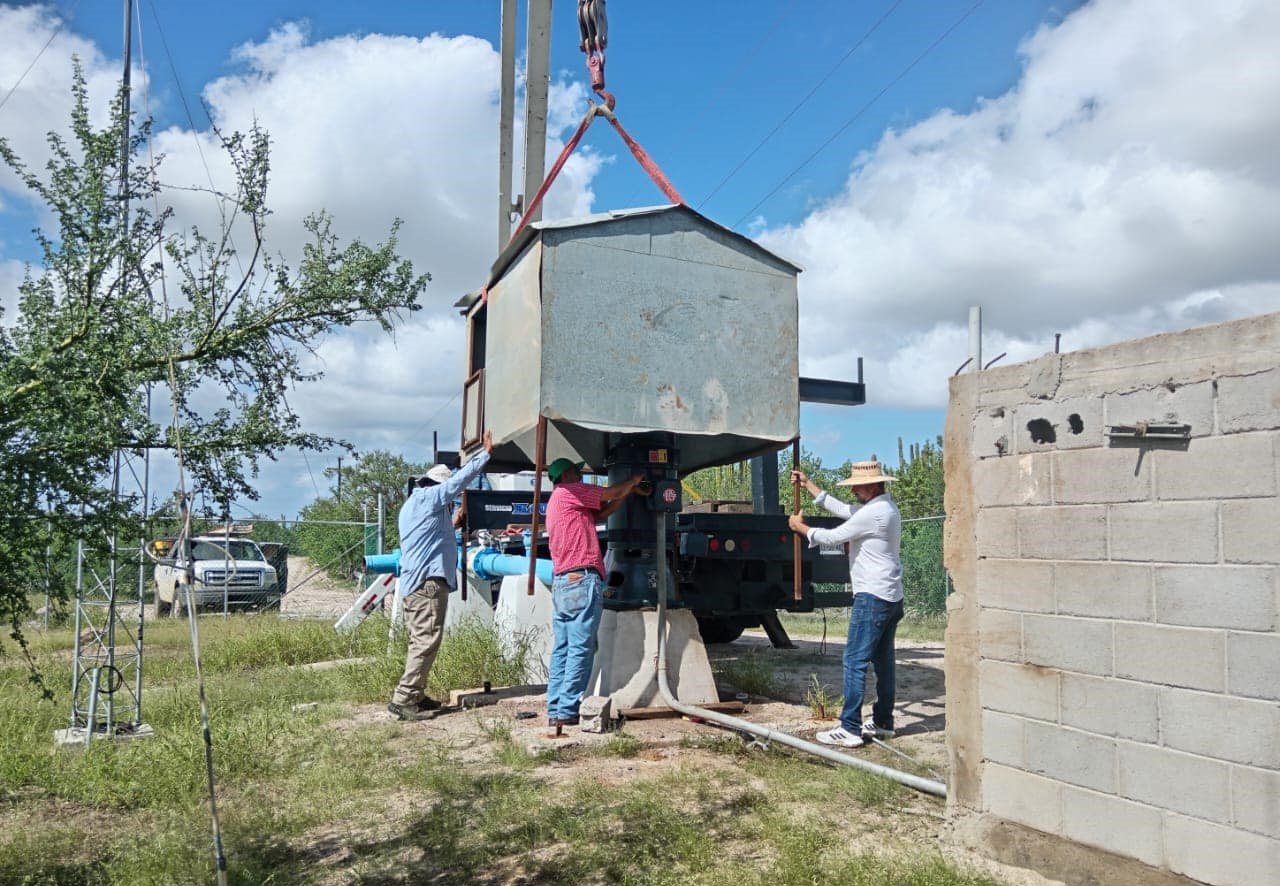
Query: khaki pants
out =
(424, 612)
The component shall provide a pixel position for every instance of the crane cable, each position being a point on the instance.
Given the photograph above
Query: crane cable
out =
(184, 534)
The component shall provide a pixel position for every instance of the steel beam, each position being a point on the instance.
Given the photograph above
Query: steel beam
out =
(834, 393)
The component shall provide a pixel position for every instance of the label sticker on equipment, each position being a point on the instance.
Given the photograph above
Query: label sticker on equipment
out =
(658, 456)
(669, 495)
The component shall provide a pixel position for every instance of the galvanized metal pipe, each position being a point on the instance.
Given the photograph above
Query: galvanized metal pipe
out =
(912, 781)
(796, 562)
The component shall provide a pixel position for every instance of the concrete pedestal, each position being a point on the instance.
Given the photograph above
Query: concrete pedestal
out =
(525, 620)
(626, 666)
(477, 606)
(74, 736)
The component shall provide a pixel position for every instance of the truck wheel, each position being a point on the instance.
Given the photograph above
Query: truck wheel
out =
(179, 607)
(719, 629)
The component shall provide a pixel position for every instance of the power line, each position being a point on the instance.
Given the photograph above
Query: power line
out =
(62, 23)
(852, 49)
(728, 81)
(932, 46)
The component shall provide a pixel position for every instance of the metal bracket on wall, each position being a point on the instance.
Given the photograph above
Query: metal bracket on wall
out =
(1145, 430)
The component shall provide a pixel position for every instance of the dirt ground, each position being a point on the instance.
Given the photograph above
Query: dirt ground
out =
(313, 594)
(665, 742)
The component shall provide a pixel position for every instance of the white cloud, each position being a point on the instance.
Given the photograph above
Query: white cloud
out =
(41, 101)
(1128, 184)
(369, 128)
(11, 275)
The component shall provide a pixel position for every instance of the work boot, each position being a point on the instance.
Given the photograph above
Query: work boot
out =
(423, 710)
(553, 722)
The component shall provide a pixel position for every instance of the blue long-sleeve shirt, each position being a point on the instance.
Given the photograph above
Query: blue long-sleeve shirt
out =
(428, 548)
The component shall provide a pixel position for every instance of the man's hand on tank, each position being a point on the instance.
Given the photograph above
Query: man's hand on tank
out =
(487, 441)
(643, 486)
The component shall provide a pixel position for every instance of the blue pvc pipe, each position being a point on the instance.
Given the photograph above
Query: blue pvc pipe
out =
(383, 564)
(490, 565)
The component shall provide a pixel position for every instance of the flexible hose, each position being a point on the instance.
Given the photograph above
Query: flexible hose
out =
(938, 789)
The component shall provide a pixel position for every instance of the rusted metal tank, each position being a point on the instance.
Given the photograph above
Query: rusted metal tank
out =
(654, 319)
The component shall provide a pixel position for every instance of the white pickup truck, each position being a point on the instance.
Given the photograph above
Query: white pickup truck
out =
(230, 570)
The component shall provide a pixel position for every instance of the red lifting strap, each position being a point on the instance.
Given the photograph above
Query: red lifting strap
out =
(645, 161)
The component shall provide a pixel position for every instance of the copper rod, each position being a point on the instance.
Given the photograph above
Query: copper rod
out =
(795, 509)
(539, 465)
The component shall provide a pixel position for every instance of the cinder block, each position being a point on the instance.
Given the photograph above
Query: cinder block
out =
(1116, 708)
(1063, 533)
(1115, 825)
(1002, 739)
(1169, 533)
(1022, 797)
(1000, 635)
(1074, 423)
(1068, 643)
(1167, 403)
(1249, 402)
(1077, 758)
(992, 433)
(1235, 729)
(1020, 585)
(998, 532)
(1216, 854)
(1107, 590)
(1016, 480)
(1099, 476)
(1242, 597)
(1188, 657)
(1255, 796)
(1238, 466)
(1018, 689)
(1251, 530)
(1253, 665)
(1176, 781)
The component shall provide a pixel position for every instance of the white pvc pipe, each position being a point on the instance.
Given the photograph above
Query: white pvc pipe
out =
(938, 789)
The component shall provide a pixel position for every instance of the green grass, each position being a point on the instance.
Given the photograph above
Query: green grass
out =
(392, 803)
(809, 625)
(753, 673)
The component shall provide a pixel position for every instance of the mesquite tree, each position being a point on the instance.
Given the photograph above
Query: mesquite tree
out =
(122, 302)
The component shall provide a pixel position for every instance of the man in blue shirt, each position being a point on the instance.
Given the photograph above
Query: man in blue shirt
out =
(428, 572)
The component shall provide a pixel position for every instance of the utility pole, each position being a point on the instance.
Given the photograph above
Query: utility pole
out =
(537, 82)
(506, 120)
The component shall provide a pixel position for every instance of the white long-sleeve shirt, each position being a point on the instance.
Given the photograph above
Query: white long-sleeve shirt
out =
(874, 535)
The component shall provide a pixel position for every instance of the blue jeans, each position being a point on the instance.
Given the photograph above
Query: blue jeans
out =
(575, 619)
(872, 625)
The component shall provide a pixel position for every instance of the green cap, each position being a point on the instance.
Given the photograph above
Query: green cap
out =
(556, 469)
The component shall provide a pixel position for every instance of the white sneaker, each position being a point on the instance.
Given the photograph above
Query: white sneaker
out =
(841, 737)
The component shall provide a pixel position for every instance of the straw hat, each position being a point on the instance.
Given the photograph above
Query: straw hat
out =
(864, 473)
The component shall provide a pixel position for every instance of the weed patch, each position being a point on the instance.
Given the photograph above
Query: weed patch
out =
(752, 673)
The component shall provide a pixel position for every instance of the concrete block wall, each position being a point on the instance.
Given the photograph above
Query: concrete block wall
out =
(1113, 645)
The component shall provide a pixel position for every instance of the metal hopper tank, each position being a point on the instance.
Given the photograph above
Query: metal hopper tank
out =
(650, 341)
(634, 321)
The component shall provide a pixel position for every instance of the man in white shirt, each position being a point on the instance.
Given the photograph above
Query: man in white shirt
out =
(872, 534)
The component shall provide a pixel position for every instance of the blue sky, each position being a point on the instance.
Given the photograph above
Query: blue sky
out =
(1038, 161)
